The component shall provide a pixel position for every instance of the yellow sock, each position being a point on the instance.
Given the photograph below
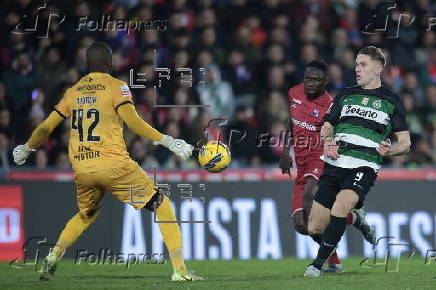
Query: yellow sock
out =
(177, 261)
(72, 231)
(171, 234)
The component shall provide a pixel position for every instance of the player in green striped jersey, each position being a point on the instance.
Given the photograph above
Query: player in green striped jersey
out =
(356, 132)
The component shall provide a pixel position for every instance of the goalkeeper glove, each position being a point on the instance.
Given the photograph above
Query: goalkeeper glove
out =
(178, 146)
(21, 152)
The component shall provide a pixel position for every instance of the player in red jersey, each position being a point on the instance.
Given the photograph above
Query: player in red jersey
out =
(309, 102)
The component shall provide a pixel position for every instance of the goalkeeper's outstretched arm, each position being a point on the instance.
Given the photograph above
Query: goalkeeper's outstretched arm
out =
(44, 130)
(138, 126)
(21, 152)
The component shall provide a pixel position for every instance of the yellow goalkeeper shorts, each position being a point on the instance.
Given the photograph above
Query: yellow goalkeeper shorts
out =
(128, 183)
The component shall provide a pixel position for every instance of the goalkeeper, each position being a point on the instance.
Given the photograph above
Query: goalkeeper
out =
(98, 104)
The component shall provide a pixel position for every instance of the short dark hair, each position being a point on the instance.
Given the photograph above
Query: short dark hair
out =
(374, 53)
(98, 52)
(319, 64)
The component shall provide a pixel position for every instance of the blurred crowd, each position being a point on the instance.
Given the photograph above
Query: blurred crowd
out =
(244, 55)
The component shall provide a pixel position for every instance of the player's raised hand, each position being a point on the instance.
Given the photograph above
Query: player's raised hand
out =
(331, 148)
(286, 163)
(20, 153)
(178, 146)
(384, 148)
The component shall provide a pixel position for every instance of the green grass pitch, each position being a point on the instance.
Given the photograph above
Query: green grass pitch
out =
(234, 274)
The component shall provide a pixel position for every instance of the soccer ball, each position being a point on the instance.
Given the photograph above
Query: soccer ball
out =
(214, 156)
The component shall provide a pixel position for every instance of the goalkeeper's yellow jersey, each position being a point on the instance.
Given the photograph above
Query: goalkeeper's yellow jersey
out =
(96, 131)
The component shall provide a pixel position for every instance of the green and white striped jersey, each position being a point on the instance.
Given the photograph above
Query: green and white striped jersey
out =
(362, 119)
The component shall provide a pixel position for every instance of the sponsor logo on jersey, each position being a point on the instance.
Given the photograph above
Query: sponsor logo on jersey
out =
(86, 153)
(96, 87)
(125, 91)
(86, 100)
(303, 125)
(351, 110)
(365, 101)
(315, 113)
(296, 101)
(376, 104)
(84, 149)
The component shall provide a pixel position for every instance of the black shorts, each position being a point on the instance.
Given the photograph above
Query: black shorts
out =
(334, 179)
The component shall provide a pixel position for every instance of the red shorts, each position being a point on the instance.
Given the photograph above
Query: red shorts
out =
(310, 165)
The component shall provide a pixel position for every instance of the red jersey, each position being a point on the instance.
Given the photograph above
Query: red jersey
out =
(307, 119)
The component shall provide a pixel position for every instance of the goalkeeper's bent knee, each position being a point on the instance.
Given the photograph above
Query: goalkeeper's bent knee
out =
(89, 217)
(155, 201)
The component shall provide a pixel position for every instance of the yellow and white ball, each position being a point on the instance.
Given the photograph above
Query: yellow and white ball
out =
(214, 156)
